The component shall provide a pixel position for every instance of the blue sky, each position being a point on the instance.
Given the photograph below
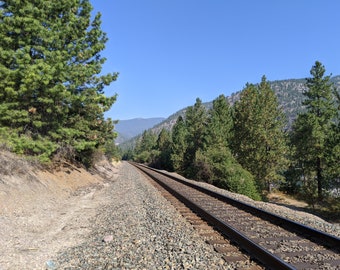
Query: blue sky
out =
(169, 52)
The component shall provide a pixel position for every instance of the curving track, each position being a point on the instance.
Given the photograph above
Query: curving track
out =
(277, 243)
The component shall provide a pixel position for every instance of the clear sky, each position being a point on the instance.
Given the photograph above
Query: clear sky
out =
(169, 52)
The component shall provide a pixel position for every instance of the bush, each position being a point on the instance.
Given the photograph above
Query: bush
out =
(143, 157)
(24, 144)
(218, 166)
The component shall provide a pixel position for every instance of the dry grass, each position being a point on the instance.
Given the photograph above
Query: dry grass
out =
(328, 210)
(11, 164)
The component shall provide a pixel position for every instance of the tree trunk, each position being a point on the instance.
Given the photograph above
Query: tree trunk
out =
(319, 177)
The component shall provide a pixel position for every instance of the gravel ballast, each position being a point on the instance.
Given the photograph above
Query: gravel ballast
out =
(138, 229)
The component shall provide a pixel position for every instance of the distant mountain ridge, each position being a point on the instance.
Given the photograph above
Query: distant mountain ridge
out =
(128, 129)
(289, 93)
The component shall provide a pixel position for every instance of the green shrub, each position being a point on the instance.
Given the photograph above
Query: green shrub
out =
(218, 166)
(40, 147)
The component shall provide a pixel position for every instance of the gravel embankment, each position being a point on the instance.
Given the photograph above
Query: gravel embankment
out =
(138, 229)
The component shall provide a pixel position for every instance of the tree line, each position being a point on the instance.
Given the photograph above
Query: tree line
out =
(52, 99)
(247, 149)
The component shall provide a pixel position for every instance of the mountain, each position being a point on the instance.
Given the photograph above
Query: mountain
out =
(128, 129)
(289, 93)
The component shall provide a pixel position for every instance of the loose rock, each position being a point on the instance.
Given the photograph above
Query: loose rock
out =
(142, 231)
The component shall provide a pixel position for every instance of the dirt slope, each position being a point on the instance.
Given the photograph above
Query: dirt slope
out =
(42, 212)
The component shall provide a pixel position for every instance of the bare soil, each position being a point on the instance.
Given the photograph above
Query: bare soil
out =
(43, 212)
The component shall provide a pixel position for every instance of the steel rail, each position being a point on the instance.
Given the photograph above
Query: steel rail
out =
(255, 250)
(313, 234)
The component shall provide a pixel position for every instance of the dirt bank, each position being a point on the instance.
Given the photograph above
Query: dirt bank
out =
(43, 212)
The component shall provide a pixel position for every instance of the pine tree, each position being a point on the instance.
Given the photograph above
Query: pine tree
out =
(313, 128)
(179, 145)
(333, 148)
(216, 137)
(145, 150)
(220, 123)
(164, 147)
(259, 140)
(50, 87)
(195, 122)
(214, 161)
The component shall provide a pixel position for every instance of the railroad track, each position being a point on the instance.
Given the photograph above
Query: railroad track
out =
(273, 241)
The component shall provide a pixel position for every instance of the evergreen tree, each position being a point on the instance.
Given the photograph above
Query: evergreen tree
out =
(145, 150)
(220, 123)
(259, 141)
(50, 87)
(179, 145)
(164, 147)
(217, 136)
(313, 129)
(195, 122)
(333, 148)
(215, 162)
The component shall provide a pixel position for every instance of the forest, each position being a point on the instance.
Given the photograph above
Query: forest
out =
(247, 148)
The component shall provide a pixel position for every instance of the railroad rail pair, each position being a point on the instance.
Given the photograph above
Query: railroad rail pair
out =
(276, 242)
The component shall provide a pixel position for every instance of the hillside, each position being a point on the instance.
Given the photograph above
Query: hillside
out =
(289, 94)
(128, 129)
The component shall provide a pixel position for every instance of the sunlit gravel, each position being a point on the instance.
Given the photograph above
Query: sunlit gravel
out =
(139, 229)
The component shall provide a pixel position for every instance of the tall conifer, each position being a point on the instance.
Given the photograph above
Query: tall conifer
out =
(145, 150)
(259, 141)
(179, 145)
(313, 128)
(195, 122)
(50, 87)
(164, 147)
(215, 162)
(220, 123)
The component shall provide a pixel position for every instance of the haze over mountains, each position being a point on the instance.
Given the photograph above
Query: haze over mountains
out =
(289, 93)
(128, 129)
